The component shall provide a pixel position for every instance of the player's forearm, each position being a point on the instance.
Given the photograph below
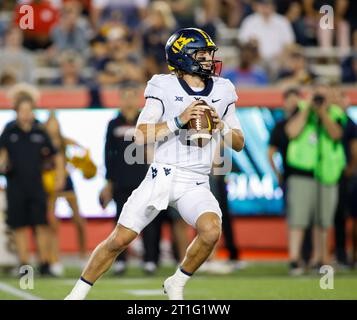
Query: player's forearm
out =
(234, 139)
(150, 133)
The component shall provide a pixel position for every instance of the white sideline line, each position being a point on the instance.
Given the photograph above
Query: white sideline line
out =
(144, 292)
(16, 292)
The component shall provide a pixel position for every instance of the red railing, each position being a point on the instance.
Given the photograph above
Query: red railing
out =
(79, 98)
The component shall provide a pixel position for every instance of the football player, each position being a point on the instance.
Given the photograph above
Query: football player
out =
(178, 177)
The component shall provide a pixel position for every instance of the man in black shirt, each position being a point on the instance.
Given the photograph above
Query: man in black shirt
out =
(126, 167)
(347, 187)
(27, 145)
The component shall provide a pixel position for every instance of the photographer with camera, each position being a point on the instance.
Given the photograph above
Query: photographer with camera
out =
(316, 156)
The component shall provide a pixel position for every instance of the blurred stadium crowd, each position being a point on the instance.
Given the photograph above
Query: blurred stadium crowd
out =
(107, 42)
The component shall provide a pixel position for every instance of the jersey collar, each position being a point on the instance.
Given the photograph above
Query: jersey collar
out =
(205, 92)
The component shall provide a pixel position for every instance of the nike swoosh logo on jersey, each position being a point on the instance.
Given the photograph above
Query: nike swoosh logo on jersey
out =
(214, 101)
(198, 183)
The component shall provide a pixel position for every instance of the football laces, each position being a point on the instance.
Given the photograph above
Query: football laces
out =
(198, 124)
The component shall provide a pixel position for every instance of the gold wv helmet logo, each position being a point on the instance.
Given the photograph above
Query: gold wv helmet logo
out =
(180, 43)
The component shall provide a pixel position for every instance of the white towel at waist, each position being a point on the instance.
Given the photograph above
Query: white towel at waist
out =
(161, 176)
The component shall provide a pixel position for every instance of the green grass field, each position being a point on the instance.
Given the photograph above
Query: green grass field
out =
(257, 281)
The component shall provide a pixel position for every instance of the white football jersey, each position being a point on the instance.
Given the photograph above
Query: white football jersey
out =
(167, 96)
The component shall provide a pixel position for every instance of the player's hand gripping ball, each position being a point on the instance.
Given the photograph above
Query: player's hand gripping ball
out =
(200, 128)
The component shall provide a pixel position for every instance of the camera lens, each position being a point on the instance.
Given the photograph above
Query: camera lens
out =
(318, 99)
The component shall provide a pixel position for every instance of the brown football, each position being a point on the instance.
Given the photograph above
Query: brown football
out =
(200, 130)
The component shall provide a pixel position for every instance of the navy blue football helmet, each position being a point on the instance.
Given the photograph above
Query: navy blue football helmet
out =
(181, 48)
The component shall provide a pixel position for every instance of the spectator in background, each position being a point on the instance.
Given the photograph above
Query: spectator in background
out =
(128, 12)
(184, 12)
(7, 5)
(311, 21)
(122, 177)
(349, 64)
(296, 72)
(159, 25)
(98, 52)
(62, 143)
(69, 34)
(353, 213)
(7, 79)
(6, 12)
(153, 237)
(23, 139)
(294, 15)
(207, 15)
(45, 18)
(248, 72)
(121, 64)
(231, 12)
(14, 59)
(349, 69)
(54, 3)
(347, 203)
(197, 13)
(351, 16)
(279, 142)
(219, 187)
(70, 67)
(315, 132)
(272, 31)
